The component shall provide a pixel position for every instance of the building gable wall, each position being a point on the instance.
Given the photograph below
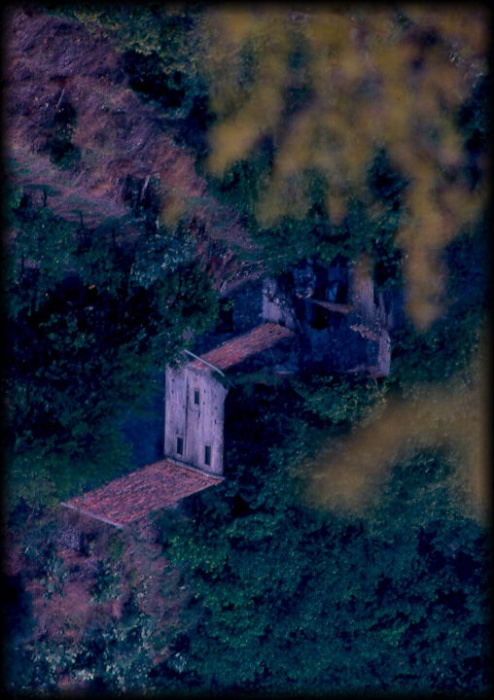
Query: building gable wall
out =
(194, 416)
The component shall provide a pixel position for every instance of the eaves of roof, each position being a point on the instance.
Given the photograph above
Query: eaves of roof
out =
(238, 349)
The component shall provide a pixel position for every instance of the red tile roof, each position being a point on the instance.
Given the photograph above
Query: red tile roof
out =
(236, 350)
(135, 495)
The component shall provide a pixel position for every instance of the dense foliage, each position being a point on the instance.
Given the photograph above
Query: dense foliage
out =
(369, 226)
(299, 600)
(89, 321)
(97, 615)
(283, 593)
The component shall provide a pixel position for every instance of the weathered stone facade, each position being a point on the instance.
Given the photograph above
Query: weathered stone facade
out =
(194, 416)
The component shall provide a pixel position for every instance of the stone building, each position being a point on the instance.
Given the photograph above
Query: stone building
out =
(193, 431)
(195, 393)
(326, 317)
(342, 321)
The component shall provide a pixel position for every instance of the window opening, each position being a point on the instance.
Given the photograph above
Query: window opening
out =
(207, 455)
(320, 318)
(180, 445)
(196, 397)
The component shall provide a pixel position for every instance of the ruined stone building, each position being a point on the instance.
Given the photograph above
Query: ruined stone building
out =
(316, 316)
(193, 430)
(345, 323)
(195, 394)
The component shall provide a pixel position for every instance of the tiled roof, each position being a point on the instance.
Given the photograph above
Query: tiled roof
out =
(135, 495)
(236, 350)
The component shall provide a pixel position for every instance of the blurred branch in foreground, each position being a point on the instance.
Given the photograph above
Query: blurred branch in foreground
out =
(452, 417)
(330, 86)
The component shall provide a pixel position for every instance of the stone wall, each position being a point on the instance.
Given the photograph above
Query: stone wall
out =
(194, 416)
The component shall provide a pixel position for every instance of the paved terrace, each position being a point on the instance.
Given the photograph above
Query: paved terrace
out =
(236, 350)
(137, 494)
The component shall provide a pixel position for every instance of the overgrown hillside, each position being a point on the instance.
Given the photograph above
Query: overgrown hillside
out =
(78, 133)
(153, 153)
(116, 248)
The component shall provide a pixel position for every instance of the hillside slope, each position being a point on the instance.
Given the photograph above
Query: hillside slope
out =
(75, 130)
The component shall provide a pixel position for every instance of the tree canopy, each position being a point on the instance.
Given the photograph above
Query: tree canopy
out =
(385, 107)
(296, 599)
(331, 87)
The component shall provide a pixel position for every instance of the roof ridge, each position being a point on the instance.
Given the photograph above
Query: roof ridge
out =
(255, 341)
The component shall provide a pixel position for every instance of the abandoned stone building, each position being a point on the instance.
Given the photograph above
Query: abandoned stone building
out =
(195, 393)
(327, 317)
(344, 322)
